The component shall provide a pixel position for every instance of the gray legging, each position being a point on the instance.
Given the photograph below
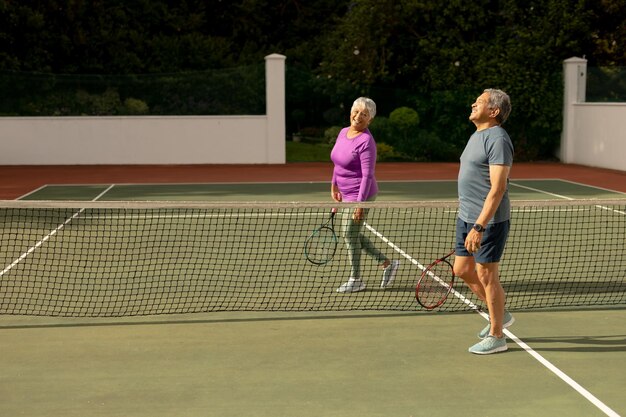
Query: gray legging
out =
(356, 241)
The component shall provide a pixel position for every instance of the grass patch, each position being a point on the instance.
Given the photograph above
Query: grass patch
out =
(308, 152)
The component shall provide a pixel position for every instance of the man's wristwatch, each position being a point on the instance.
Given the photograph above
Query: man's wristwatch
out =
(479, 228)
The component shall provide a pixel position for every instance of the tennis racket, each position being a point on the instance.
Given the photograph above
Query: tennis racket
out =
(321, 245)
(435, 284)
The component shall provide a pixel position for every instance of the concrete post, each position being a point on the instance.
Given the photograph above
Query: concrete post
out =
(275, 108)
(575, 84)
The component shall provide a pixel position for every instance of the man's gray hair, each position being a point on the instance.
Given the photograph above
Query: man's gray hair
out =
(368, 103)
(498, 99)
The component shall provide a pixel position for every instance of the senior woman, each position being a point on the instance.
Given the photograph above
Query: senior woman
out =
(354, 159)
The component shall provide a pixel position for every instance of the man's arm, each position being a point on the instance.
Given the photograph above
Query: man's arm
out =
(498, 174)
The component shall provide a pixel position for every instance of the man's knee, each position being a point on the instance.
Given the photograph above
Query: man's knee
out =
(463, 267)
(488, 272)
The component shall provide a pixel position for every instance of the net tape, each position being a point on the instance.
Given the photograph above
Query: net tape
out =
(109, 259)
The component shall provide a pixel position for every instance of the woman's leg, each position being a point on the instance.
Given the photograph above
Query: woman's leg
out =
(371, 250)
(356, 241)
(351, 232)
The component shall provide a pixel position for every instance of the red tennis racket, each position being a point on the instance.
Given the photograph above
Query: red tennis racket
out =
(435, 284)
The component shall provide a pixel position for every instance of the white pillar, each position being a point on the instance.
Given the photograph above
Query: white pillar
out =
(275, 108)
(575, 87)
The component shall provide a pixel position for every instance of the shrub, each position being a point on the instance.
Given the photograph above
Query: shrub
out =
(386, 152)
(134, 106)
(404, 118)
(330, 134)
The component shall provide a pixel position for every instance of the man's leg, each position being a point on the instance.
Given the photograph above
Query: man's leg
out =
(465, 267)
(489, 278)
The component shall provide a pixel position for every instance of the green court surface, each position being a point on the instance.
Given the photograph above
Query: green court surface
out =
(327, 363)
(305, 364)
(307, 191)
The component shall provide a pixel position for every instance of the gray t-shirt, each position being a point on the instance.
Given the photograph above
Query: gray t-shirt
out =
(491, 146)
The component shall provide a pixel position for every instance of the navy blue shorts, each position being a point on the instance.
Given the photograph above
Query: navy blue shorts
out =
(492, 245)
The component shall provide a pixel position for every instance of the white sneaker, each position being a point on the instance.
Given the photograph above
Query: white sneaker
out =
(353, 285)
(489, 344)
(389, 274)
(508, 321)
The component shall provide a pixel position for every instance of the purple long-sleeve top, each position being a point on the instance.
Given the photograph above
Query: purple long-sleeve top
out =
(355, 163)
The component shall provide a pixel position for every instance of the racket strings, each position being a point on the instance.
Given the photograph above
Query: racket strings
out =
(321, 246)
(435, 284)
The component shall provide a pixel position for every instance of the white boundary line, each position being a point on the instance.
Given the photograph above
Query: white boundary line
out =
(32, 192)
(564, 377)
(75, 185)
(103, 193)
(540, 191)
(582, 391)
(592, 186)
(418, 264)
(48, 236)
(205, 216)
(41, 242)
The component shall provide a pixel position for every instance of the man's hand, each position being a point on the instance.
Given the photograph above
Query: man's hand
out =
(473, 240)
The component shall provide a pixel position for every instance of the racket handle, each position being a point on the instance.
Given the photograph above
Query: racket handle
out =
(333, 210)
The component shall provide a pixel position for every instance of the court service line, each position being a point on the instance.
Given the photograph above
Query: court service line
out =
(32, 192)
(564, 377)
(537, 190)
(103, 193)
(41, 242)
(565, 197)
(611, 210)
(47, 237)
(48, 185)
(592, 186)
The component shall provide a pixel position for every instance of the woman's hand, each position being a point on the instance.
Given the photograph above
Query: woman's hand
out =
(357, 216)
(335, 193)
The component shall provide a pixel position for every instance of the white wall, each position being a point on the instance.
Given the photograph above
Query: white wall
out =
(150, 139)
(594, 134)
(133, 140)
(600, 135)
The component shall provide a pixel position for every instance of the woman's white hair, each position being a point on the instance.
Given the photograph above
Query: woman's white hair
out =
(368, 103)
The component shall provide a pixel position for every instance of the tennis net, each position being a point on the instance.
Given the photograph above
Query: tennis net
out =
(106, 259)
